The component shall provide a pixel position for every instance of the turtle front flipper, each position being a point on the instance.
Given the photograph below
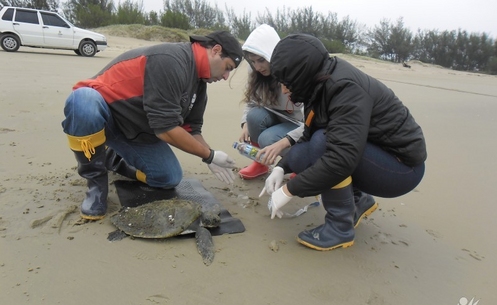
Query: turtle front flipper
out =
(205, 245)
(116, 235)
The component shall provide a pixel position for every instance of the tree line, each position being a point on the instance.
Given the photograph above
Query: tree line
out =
(455, 49)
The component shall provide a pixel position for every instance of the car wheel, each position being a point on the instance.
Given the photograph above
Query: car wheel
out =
(10, 42)
(87, 48)
(77, 52)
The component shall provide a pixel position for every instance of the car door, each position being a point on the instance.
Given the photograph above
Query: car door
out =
(27, 25)
(56, 32)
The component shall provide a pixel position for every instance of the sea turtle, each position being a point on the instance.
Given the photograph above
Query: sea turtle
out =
(167, 218)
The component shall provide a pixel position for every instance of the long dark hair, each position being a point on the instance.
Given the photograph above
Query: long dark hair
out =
(261, 89)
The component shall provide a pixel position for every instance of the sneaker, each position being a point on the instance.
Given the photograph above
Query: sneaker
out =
(253, 171)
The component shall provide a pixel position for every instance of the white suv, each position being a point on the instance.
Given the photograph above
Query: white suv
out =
(44, 29)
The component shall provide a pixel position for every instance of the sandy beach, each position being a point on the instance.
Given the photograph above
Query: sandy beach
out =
(431, 246)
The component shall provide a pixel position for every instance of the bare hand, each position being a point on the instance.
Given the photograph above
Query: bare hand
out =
(273, 151)
(244, 137)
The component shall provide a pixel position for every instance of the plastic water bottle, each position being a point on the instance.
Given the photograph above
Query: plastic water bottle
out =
(247, 150)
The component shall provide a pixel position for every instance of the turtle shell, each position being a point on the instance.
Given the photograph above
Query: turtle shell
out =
(157, 219)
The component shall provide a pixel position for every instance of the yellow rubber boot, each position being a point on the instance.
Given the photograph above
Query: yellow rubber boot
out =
(90, 154)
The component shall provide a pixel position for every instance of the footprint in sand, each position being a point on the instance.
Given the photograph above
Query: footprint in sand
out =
(5, 130)
(54, 221)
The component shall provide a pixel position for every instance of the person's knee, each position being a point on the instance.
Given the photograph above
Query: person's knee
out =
(267, 138)
(257, 116)
(84, 103)
(263, 141)
(251, 116)
(167, 181)
(255, 113)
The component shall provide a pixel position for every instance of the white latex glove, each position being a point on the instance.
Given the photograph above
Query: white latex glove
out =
(273, 182)
(277, 201)
(222, 159)
(222, 173)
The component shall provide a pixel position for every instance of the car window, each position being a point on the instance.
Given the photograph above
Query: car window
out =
(53, 20)
(26, 16)
(9, 13)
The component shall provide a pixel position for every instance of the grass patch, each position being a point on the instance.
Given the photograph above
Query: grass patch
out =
(150, 32)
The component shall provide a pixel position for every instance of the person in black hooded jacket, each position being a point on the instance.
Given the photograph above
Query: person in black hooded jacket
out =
(359, 140)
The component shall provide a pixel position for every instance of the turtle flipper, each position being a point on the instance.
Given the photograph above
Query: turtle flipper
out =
(116, 235)
(205, 245)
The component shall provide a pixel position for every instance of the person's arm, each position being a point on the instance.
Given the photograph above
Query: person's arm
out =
(245, 136)
(195, 145)
(271, 152)
(296, 133)
(181, 139)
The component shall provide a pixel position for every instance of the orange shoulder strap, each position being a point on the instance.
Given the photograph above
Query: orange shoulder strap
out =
(309, 118)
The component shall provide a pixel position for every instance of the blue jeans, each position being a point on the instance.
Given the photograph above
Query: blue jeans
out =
(266, 128)
(378, 173)
(86, 112)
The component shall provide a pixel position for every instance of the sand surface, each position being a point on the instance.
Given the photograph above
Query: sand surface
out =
(435, 245)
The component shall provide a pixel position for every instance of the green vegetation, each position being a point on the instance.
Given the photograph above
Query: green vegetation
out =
(146, 32)
(455, 49)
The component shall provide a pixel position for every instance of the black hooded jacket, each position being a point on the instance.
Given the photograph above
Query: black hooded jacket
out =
(352, 107)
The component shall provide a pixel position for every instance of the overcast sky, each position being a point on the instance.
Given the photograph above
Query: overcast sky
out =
(470, 15)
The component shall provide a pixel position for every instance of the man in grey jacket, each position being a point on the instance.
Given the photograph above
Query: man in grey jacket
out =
(126, 117)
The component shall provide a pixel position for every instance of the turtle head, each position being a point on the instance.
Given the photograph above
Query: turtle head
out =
(210, 219)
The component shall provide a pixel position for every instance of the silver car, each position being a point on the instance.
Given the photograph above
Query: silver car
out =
(44, 29)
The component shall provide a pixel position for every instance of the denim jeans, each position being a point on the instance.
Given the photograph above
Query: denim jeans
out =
(266, 128)
(378, 173)
(86, 112)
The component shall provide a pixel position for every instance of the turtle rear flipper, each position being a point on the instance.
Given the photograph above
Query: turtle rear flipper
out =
(205, 245)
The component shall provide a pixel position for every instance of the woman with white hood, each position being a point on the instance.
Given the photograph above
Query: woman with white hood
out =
(270, 120)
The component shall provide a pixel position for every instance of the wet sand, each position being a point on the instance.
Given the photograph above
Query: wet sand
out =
(434, 245)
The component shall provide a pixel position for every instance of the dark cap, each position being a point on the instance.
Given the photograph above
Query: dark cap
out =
(230, 44)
